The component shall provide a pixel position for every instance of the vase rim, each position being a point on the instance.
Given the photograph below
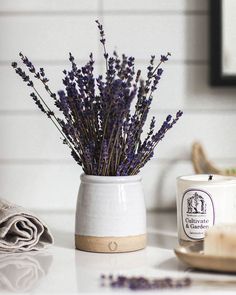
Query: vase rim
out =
(110, 179)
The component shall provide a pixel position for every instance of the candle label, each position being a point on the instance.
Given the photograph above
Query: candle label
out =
(197, 212)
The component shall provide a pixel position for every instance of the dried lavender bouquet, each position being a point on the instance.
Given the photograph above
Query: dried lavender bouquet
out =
(98, 124)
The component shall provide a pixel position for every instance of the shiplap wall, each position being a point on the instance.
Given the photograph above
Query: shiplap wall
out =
(35, 168)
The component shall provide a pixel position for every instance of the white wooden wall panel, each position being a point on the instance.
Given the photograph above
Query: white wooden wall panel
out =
(70, 5)
(34, 137)
(183, 86)
(154, 5)
(17, 98)
(185, 36)
(50, 186)
(35, 168)
(37, 185)
(49, 6)
(56, 185)
(48, 37)
(52, 37)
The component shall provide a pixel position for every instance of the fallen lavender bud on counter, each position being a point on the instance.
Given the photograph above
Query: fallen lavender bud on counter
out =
(143, 283)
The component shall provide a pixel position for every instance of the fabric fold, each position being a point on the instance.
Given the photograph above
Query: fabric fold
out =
(21, 230)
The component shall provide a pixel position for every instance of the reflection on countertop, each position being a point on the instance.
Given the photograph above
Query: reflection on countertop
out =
(162, 230)
(21, 272)
(70, 271)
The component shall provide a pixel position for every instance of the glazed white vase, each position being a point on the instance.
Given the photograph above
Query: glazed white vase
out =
(110, 214)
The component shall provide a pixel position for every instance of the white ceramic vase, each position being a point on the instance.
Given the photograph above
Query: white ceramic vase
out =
(110, 214)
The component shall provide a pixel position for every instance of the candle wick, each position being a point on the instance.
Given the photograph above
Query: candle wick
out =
(210, 177)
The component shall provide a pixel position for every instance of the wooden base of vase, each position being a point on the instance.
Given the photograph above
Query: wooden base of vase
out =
(110, 244)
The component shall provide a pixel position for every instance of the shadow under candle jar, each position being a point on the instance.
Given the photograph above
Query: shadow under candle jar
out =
(202, 201)
(110, 214)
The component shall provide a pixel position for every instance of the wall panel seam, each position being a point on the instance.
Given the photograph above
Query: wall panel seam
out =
(153, 111)
(70, 162)
(45, 13)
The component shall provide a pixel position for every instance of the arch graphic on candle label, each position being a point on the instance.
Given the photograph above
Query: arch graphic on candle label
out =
(198, 213)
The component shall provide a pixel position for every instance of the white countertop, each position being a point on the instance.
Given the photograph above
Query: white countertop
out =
(64, 270)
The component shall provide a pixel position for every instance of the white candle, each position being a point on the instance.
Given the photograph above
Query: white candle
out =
(203, 201)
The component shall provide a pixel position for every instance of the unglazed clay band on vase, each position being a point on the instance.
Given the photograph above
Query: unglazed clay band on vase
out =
(110, 244)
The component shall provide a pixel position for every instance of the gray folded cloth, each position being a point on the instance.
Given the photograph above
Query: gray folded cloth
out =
(21, 230)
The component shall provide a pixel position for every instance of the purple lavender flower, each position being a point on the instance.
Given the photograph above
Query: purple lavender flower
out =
(143, 283)
(97, 123)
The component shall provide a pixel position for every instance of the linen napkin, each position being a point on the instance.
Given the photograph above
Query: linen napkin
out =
(21, 230)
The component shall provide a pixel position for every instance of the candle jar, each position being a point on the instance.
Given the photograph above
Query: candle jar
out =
(203, 201)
